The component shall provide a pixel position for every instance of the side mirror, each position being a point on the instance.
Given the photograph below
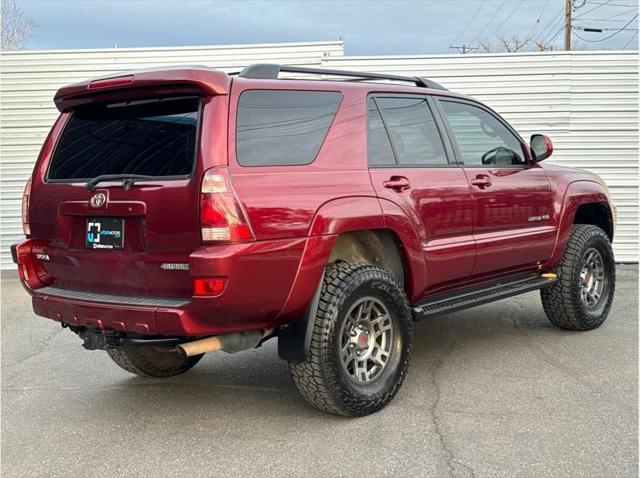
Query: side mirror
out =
(541, 147)
(500, 156)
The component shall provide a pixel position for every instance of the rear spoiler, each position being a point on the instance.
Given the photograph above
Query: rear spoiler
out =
(135, 84)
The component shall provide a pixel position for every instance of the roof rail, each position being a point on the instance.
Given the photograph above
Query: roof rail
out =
(270, 71)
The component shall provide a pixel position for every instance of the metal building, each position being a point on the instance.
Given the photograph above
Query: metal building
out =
(586, 101)
(29, 79)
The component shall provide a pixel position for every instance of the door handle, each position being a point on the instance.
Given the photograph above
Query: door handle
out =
(481, 181)
(397, 183)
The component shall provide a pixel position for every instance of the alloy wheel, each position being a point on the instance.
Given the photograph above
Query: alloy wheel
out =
(366, 340)
(592, 278)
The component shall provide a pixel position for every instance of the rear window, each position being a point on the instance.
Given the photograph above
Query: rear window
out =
(283, 127)
(151, 137)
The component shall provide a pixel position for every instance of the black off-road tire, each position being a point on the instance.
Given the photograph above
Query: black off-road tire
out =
(152, 361)
(321, 378)
(562, 301)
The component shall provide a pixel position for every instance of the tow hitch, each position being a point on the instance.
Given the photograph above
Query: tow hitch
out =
(95, 339)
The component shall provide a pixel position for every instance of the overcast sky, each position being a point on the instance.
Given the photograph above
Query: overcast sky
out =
(370, 27)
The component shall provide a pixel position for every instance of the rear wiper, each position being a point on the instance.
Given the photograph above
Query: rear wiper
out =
(127, 180)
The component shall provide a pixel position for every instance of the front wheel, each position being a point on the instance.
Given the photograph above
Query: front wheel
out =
(360, 343)
(582, 297)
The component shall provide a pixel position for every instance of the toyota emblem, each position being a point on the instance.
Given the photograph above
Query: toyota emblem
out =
(98, 200)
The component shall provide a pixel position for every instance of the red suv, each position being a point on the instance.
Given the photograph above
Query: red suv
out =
(175, 212)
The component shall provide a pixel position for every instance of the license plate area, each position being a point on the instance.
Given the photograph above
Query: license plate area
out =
(104, 233)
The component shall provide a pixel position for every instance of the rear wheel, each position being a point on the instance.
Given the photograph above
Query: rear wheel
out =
(360, 344)
(154, 362)
(582, 297)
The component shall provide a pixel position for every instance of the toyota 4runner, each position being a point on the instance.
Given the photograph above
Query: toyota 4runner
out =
(174, 212)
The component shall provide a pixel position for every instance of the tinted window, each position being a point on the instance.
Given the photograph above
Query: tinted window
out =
(413, 131)
(380, 152)
(278, 127)
(150, 137)
(481, 138)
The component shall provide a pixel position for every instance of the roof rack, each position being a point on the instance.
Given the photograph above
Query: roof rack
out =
(270, 71)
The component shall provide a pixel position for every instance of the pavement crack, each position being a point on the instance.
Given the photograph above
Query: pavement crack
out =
(456, 467)
(43, 346)
(554, 359)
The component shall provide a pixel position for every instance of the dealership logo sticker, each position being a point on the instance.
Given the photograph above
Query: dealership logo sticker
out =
(96, 232)
(93, 233)
(98, 200)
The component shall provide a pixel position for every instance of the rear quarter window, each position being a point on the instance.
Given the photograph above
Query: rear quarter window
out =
(283, 127)
(155, 137)
(413, 131)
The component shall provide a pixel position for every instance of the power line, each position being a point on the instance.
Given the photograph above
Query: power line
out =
(477, 37)
(600, 30)
(535, 25)
(475, 14)
(507, 19)
(593, 9)
(554, 36)
(602, 20)
(550, 26)
(619, 14)
(630, 40)
(612, 4)
(612, 35)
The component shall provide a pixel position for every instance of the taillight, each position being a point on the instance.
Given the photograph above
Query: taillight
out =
(111, 82)
(30, 264)
(221, 215)
(25, 208)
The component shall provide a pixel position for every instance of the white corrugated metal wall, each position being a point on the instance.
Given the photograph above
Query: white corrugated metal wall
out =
(29, 79)
(587, 102)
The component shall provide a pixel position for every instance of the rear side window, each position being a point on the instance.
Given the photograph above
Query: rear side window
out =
(283, 127)
(380, 152)
(151, 137)
(413, 131)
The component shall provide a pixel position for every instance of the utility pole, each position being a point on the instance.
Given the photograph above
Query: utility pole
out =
(464, 48)
(568, 7)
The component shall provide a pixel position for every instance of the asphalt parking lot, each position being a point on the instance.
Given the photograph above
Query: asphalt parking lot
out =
(491, 391)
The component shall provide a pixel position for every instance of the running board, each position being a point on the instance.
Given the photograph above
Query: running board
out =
(443, 304)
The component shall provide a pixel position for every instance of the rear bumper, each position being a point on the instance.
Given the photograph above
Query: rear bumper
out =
(148, 316)
(260, 276)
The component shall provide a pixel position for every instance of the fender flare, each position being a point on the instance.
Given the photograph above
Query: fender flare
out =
(332, 219)
(576, 194)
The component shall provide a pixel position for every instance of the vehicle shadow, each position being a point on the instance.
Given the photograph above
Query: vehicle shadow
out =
(259, 380)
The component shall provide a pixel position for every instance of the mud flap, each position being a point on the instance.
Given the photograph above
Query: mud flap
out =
(294, 339)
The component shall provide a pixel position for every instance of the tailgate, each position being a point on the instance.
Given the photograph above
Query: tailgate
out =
(130, 239)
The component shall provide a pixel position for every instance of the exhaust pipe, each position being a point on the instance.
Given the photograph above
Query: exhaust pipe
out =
(229, 343)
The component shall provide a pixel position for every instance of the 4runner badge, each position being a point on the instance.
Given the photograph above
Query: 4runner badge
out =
(168, 266)
(544, 217)
(98, 200)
